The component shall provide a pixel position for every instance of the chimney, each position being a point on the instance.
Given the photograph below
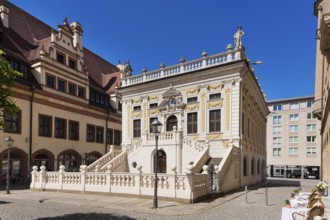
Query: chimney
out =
(77, 34)
(4, 14)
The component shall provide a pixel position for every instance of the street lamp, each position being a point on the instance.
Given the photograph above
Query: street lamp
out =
(156, 127)
(9, 143)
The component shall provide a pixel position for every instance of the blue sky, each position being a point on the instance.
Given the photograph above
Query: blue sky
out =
(281, 33)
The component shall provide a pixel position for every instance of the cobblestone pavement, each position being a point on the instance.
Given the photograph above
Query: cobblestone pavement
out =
(26, 204)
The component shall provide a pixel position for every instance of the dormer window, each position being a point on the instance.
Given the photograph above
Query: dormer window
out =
(215, 96)
(137, 108)
(60, 58)
(72, 64)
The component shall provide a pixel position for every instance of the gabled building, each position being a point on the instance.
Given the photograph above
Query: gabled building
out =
(69, 112)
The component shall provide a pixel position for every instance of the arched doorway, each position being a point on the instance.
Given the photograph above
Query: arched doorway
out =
(43, 158)
(171, 122)
(161, 161)
(18, 170)
(70, 159)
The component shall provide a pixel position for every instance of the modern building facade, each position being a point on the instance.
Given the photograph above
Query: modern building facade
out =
(293, 139)
(322, 76)
(66, 95)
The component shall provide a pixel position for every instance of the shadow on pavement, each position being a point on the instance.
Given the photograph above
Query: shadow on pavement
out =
(88, 216)
(4, 202)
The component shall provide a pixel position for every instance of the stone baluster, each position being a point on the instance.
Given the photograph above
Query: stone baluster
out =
(83, 170)
(162, 67)
(229, 55)
(34, 173)
(139, 178)
(109, 176)
(182, 61)
(43, 177)
(60, 177)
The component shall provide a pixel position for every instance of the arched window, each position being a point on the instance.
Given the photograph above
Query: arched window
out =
(245, 166)
(70, 159)
(171, 122)
(91, 157)
(43, 157)
(252, 166)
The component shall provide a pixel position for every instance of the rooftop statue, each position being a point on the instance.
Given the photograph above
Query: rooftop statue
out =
(238, 37)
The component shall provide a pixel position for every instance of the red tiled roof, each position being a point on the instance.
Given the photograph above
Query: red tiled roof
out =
(27, 35)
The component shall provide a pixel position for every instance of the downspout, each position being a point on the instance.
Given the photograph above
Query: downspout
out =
(30, 133)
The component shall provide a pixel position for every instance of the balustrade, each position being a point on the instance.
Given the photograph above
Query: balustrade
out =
(184, 67)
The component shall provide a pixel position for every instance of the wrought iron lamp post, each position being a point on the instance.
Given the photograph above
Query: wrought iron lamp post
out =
(9, 143)
(156, 127)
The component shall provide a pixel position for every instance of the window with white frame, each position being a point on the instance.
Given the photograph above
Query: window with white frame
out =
(277, 107)
(311, 139)
(277, 152)
(277, 141)
(277, 119)
(293, 150)
(293, 128)
(311, 127)
(293, 139)
(277, 131)
(294, 105)
(294, 117)
(311, 150)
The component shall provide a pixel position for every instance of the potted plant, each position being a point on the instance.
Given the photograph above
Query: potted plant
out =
(322, 186)
(287, 203)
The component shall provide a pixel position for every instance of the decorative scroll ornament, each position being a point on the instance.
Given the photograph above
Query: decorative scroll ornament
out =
(137, 114)
(225, 144)
(214, 136)
(192, 91)
(203, 110)
(153, 98)
(215, 86)
(192, 107)
(136, 101)
(153, 111)
(217, 104)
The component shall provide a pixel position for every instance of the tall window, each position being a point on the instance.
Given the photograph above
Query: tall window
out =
(277, 119)
(81, 92)
(244, 166)
(72, 89)
(90, 133)
(293, 128)
(153, 105)
(311, 139)
(72, 63)
(277, 152)
(311, 127)
(12, 122)
(310, 116)
(117, 137)
(99, 134)
(137, 128)
(109, 136)
(311, 150)
(277, 107)
(277, 131)
(61, 85)
(293, 139)
(294, 105)
(294, 117)
(293, 150)
(60, 58)
(192, 123)
(215, 120)
(73, 130)
(50, 81)
(137, 108)
(60, 128)
(45, 125)
(277, 141)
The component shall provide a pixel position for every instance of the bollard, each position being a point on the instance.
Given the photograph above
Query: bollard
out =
(266, 196)
(246, 196)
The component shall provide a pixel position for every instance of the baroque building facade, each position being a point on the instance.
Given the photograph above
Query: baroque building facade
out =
(212, 103)
(293, 139)
(322, 76)
(66, 96)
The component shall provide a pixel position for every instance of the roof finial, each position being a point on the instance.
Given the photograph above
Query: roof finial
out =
(65, 21)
